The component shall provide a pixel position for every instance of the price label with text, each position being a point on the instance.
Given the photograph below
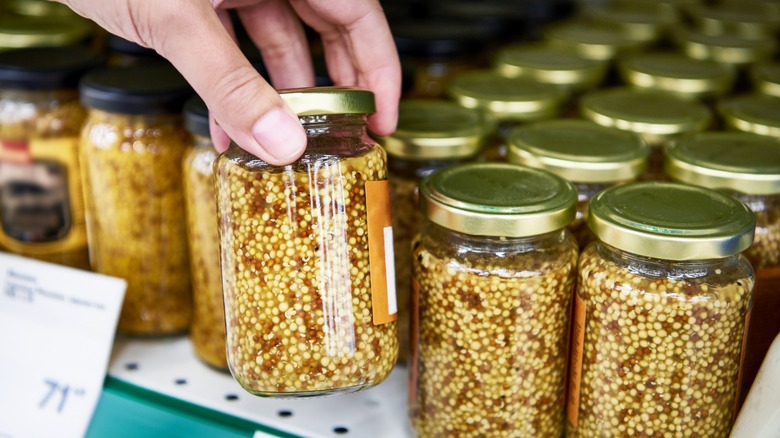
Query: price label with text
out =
(56, 331)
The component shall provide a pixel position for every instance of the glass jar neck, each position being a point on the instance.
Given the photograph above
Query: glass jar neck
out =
(758, 203)
(40, 97)
(419, 169)
(130, 120)
(201, 141)
(493, 244)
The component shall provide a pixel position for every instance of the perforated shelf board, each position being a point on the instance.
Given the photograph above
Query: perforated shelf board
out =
(169, 367)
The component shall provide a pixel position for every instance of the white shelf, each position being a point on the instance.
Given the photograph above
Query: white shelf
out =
(169, 367)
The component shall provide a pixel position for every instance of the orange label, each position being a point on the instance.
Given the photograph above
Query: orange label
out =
(15, 151)
(575, 364)
(414, 342)
(380, 252)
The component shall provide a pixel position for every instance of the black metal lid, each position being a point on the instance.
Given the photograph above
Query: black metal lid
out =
(46, 68)
(440, 37)
(120, 45)
(196, 116)
(143, 89)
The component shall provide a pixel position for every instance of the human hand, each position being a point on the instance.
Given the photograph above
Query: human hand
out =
(196, 37)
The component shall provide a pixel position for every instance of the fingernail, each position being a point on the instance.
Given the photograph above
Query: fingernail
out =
(280, 134)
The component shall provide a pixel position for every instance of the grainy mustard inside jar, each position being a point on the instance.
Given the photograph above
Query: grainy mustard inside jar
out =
(431, 135)
(508, 102)
(660, 313)
(41, 202)
(656, 116)
(132, 148)
(747, 166)
(309, 302)
(208, 312)
(495, 269)
(590, 156)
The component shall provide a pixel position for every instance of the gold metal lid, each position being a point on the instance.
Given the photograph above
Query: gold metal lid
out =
(671, 221)
(579, 151)
(752, 113)
(766, 78)
(38, 8)
(644, 111)
(746, 19)
(672, 8)
(19, 31)
(638, 21)
(551, 65)
(740, 161)
(591, 41)
(328, 100)
(506, 98)
(435, 129)
(677, 73)
(726, 48)
(498, 199)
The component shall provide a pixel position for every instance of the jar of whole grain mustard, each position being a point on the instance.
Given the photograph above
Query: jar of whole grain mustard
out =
(494, 269)
(754, 113)
(746, 19)
(637, 21)
(431, 135)
(658, 117)
(41, 202)
(590, 156)
(677, 74)
(746, 166)
(208, 312)
(132, 147)
(660, 314)
(724, 48)
(507, 102)
(591, 40)
(309, 294)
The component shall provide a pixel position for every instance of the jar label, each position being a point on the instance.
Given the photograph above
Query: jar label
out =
(380, 251)
(40, 196)
(575, 365)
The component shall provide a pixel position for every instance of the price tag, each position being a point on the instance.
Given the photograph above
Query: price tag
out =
(56, 331)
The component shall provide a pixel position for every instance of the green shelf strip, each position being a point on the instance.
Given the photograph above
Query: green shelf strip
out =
(127, 410)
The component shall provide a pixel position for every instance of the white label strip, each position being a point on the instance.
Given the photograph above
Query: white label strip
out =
(392, 304)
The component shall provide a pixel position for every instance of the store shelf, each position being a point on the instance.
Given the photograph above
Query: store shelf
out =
(161, 385)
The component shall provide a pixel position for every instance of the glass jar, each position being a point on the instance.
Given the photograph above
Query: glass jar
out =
(431, 135)
(766, 78)
(590, 156)
(756, 114)
(494, 269)
(592, 41)
(725, 48)
(746, 166)
(505, 101)
(309, 296)
(131, 152)
(677, 74)
(556, 66)
(439, 50)
(40, 182)
(660, 313)
(656, 116)
(208, 312)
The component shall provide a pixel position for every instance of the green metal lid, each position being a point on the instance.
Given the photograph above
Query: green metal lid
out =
(506, 98)
(591, 41)
(435, 129)
(19, 31)
(725, 48)
(752, 113)
(766, 78)
(747, 163)
(677, 73)
(38, 8)
(551, 65)
(671, 221)
(328, 100)
(498, 199)
(579, 151)
(644, 111)
(746, 19)
(638, 21)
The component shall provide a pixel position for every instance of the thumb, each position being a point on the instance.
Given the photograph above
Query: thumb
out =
(244, 105)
